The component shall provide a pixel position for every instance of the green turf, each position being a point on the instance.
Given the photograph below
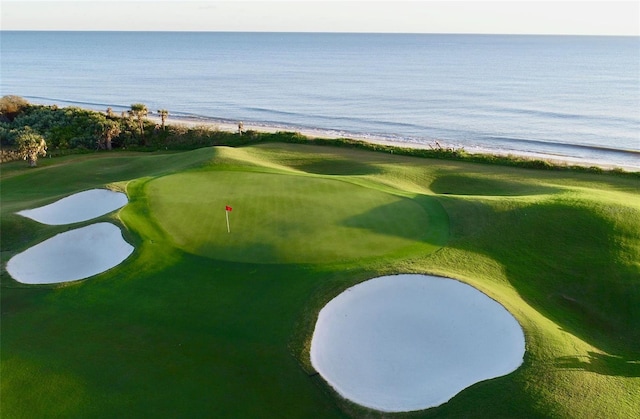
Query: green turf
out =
(290, 219)
(203, 323)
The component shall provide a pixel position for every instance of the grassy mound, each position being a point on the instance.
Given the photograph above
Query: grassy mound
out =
(200, 322)
(290, 219)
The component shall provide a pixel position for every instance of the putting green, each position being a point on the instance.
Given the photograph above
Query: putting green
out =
(280, 218)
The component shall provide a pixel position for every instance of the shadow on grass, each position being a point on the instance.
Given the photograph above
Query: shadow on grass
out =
(399, 218)
(337, 167)
(601, 364)
(473, 185)
(564, 259)
(251, 252)
(67, 175)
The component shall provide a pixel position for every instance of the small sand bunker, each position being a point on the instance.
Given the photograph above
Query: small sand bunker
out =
(410, 342)
(78, 207)
(70, 256)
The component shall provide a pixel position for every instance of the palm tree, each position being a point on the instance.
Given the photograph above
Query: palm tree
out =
(163, 116)
(108, 130)
(140, 111)
(31, 145)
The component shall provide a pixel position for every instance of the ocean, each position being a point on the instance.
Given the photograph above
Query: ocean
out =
(573, 97)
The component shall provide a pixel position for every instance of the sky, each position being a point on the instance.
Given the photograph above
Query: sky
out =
(453, 16)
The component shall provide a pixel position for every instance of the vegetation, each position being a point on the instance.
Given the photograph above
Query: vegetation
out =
(11, 106)
(199, 321)
(30, 146)
(62, 128)
(163, 117)
(139, 112)
(76, 129)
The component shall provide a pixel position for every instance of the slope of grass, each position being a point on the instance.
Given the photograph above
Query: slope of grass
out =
(56, 178)
(193, 325)
(291, 219)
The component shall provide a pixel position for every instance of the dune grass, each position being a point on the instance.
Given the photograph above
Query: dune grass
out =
(199, 322)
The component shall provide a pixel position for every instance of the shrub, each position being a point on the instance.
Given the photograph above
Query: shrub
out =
(31, 145)
(7, 155)
(11, 106)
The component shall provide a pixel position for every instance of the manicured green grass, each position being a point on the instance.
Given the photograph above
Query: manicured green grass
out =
(200, 322)
(280, 218)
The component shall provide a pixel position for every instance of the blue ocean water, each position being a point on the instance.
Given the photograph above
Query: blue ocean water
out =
(570, 96)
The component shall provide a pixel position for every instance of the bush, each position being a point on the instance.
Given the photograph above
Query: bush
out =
(31, 145)
(7, 155)
(70, 128)
(11, 106)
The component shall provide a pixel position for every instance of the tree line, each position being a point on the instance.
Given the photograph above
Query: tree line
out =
(29, 130)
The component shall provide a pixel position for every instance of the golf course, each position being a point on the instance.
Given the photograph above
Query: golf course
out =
(236, 250)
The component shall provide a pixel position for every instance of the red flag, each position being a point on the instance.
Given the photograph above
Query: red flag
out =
(228, 208)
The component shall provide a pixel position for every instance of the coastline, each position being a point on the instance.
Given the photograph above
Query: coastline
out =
(630, 162)
(227, 126)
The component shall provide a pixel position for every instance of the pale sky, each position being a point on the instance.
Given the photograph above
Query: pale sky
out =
(454, 16)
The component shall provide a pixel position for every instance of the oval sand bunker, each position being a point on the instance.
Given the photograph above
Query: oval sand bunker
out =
(70, 256)
(78, 207)
(410, 342)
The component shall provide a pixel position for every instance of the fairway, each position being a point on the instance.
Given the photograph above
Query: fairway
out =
(201, 322)
(280, 218)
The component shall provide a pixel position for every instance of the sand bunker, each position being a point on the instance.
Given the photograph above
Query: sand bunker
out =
(410, 342)
(78, 207)
(70, 256)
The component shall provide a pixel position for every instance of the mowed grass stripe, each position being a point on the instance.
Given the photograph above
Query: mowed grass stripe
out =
(284, 218)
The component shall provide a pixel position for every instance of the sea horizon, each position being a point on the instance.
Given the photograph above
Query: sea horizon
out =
(294, 32)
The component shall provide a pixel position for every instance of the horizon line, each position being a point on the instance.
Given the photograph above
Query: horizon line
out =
(319, 32)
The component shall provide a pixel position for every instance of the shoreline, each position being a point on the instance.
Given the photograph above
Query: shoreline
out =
(227, 126)
(630, 165)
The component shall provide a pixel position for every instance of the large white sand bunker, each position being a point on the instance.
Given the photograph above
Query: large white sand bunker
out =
(71, 255)
(78, 207)
(409, 342)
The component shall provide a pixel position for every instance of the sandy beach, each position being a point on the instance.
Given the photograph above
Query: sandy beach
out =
(322, 133)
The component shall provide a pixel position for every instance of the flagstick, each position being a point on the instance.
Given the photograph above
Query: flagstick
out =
(227, 214)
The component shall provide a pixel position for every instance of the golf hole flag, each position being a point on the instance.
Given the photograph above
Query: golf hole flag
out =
(227, 210)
